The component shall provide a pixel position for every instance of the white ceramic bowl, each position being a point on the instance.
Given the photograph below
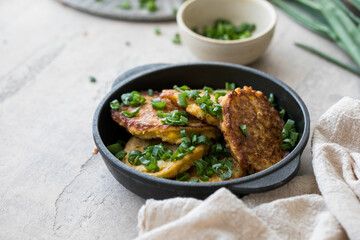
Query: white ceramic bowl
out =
(201, 13)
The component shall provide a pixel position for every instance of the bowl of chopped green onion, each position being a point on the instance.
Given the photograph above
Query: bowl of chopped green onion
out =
(235, 31)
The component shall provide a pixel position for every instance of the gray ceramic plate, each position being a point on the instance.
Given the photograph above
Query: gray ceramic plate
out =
(110, 9)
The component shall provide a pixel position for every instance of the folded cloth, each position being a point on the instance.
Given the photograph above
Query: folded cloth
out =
(294, 211)
(336, 162)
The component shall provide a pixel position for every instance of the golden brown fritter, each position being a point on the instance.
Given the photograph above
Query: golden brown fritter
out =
(147, 124)
(193, 108)
(261, 148)
(168, 168)
(237, 172)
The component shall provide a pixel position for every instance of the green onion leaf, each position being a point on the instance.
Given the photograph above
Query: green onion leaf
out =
(92, 79)
(151, 92)
(133, 99)
(131, 114)
(158, 104)
(219, 94)
(115, 105)
(182, 176)
(272, 100)
(201, 166)
(194, 94)
(194, 180)
(125, 5)
(157, 30)
(230, 86)
(175, 118)
(114, 148)
(244, 130)
(120, 155)
(176, 39)
(328, 58)
(182, 99)
(209, 89)
(282, 113)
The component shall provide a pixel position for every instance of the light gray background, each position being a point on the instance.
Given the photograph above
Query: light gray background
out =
(51, 185)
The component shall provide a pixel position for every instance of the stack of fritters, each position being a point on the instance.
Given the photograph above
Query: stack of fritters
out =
(252, 152)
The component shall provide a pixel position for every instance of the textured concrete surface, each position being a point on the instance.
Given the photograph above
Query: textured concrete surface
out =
(51, 185)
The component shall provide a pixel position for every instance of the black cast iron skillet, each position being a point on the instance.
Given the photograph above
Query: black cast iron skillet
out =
(196, 75)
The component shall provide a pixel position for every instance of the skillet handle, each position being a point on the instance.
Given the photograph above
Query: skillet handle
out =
(137, 70)
(270, 181)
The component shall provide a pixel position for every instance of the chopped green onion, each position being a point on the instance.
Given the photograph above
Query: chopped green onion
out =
(225, 30)
(181, 89)
(272, 100)
(219, 94)
(115, 105)
(193, 94)
(244, 130)
(131, 114)
(175, 118)
(182, 99)
(92, 79)
(201, 166)
(182, 176)
(133, 99)
(120, 155)
(174, 10)
(114, 148)
(176, 39)
(289, 135)
(151, 92)
(151, 6)
(282, 113)
(209, 89)
(117, 149)
(125, 5)
(157, 30)
(230, 86)
(158, 104)
(194, 180)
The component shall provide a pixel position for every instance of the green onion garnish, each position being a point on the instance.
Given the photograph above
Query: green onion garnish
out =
(115, 105)
(176, 39)
(209, 89)
(272, 99)
(133, 99)
(244, 130)
(181, 89)
(289, 135)
(117, 149)
(219, 94)
(175, 118)
(182, 99)
(225, 30)
(150, 92)
(157, 30)
(182, 176)
(125, 5)
(92, 79)
(230, 86)
(282, 113)
(194, 180)
(131, 114)
(158, 104)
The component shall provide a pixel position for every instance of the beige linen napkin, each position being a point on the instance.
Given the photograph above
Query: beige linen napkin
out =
(294, 211)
